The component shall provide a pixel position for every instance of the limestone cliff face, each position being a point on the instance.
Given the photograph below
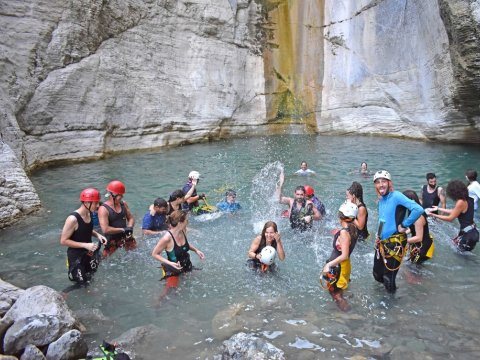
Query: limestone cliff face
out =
(82, 78)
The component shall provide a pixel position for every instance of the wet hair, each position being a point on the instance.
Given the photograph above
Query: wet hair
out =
(230, 192)
(161, 203)
(300, 188)
(457, 190)
(471, 175)
(303, 162)
(268, 224)
(352, 229)
(177, 194)
(366, 165)
(412, 195)
(430, 176)
(356, 190)
(176, 217)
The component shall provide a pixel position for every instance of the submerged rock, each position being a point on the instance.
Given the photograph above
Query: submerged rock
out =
(250, 347)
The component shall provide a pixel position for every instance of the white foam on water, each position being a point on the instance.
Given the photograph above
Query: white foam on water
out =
(305, 344)
(272, 334)
(296, 322)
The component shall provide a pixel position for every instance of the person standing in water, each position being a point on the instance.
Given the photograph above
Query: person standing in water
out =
(432, 195)
(473, 187)
(177, 248)
(391, 238)
(467, 237)
(302, 211)
(191, 201)
(310, 195)
(116, 220)
(420, 242)
(269, 237)
(82, 253)
(338, 268)
(355, 195)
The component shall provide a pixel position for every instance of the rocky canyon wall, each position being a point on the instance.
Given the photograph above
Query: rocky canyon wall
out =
(83, 78)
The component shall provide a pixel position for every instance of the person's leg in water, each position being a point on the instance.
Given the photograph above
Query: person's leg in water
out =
(337, 296)
(171, 284)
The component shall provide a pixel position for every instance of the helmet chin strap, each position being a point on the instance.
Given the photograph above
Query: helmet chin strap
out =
(89, 206)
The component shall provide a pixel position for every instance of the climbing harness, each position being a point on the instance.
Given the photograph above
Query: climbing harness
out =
(393, 247)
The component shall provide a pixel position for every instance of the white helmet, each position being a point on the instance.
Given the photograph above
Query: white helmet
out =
(194, 175)
(349, 209)
(382, 174)
(267, 255)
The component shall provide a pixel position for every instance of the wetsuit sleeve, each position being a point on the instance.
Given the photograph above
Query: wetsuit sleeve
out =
(147, 222)
(415, 210)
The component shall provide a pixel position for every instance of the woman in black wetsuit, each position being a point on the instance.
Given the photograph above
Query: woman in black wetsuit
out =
(176, 247)
(467, 237)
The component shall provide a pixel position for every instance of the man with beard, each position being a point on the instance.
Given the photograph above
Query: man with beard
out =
(432, 195)
(302, 212)
(391, 236)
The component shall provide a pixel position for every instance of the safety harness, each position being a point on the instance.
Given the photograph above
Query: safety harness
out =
(393, 247)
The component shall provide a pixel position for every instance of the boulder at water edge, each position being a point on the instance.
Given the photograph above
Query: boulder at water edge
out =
(32, 353)
(248, 346)
(71, 345)
(8, 295)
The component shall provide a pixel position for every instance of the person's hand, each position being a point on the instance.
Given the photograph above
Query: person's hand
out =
(92, 246)
(194, 182)
(176, 265)
(307, 219)
(326, 269)
(276, 236)
(128, 231)
(200, 254)
(102, 239)
(401, 229)
(202, 196)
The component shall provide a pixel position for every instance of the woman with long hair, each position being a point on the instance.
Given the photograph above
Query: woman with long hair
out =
(177, 248)
(463, 210)
(355, 195)
(337, 270)
(269, 237)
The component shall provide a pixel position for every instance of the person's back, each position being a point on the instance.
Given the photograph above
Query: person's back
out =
(473, 187)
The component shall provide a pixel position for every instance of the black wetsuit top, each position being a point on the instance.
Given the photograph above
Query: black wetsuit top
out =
(429, 199)
(336, 253)
(117, 220)
(259, 250)
(297, 215)
(363, 234)
(426, 240)
(466, 219)
(82, 235)
(180, 253)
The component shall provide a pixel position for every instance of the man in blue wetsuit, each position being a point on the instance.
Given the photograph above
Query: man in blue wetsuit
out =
(154, 219)
(229, 204)
(391, 236)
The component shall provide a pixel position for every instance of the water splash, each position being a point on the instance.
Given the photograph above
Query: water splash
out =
(265, 206)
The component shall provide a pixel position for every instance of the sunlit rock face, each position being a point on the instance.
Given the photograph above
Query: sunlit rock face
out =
(90, 77)
(390, 68)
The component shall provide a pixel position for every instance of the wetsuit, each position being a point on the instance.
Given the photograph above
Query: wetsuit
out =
(429, 199)
(341, 271)
(423, 250)
(297, 216)
(186, 205)
(255, 263)
(363, 234)
(115, 241)
(81, 263)
(388, 255)
(228, 207)
(468, 236)
(155, 222)
(319, 205)
(178, 254)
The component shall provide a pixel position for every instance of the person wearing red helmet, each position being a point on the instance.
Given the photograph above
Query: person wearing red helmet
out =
(82, 253)
(310, 195)
(116, 220)
(302, 212)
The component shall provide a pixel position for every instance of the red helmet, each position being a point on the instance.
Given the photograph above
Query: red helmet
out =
(309, 190)
(90, 195)
(116, 187)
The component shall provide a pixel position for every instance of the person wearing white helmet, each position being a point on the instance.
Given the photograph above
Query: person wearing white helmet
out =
(269, 237)
(337, 270)
(391, 236)
(192, 201)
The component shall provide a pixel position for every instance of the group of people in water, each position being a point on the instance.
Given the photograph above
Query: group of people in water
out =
(403, 220)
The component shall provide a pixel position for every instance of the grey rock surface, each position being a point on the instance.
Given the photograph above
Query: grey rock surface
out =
(17, 194)
(70, 345)
(248, 346)
(31, 352)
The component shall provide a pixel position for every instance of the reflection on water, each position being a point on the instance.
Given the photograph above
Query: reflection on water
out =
(434, 313)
